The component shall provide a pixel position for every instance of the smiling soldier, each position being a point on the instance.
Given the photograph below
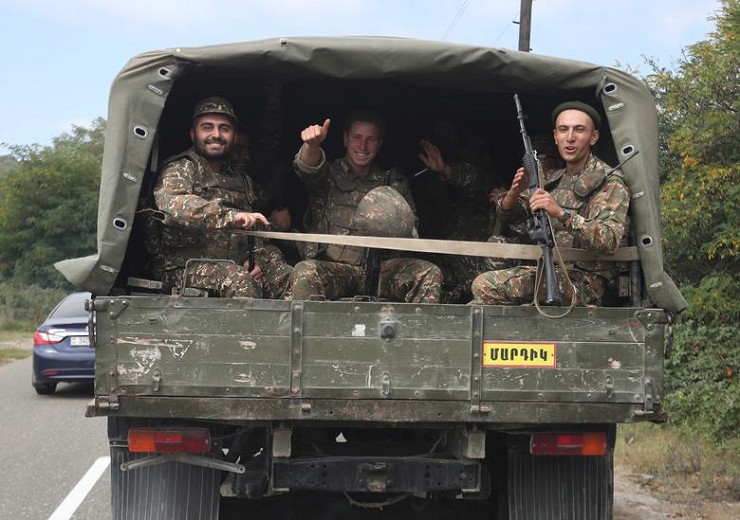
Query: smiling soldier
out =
(335, 192)
(203, 200)
(587, 203)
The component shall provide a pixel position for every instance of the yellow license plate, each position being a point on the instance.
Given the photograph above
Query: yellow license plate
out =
(508, 354)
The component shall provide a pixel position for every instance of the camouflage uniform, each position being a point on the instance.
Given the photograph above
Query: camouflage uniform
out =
(338, 271)
(200, 208)
(598, 222)
(472, 216)
(472, 220)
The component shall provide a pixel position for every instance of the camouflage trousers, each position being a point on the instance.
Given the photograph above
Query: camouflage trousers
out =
(405, 279)
(515, 286)
(460, 271)
(230, 280)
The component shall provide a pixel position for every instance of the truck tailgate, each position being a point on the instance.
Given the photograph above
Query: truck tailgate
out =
(483, 359)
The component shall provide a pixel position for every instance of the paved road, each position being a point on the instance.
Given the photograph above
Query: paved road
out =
(46, 446)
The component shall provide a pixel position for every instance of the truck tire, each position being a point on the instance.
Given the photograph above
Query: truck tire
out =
(560, 487)
(170, 490)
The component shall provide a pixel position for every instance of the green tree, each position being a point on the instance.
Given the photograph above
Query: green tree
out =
(699, 110)
(7, 164)
(48, 206)
(699, 105)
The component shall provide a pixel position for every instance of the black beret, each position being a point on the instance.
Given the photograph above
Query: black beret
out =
(577, 105)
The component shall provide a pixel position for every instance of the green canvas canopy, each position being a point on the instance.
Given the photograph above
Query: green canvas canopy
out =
(415, 82)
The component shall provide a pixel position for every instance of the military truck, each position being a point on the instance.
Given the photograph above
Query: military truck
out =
(321, 408)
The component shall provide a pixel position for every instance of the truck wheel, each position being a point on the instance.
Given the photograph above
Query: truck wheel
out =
(560, 487)
(170, 490)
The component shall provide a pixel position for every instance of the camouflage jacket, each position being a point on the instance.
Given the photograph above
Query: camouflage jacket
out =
(334, 192)
(200, 207)
(472, 217)
(599, 205)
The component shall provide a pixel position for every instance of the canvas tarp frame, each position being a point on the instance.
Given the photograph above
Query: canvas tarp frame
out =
(140, 91)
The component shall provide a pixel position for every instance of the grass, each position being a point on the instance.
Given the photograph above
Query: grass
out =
(13, 326)
(8, 355)
(679, 464)
(15, 336)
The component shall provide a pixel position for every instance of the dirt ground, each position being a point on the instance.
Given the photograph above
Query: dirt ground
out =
(637, 497)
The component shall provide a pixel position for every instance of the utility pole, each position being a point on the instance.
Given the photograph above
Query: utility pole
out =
(525, 25)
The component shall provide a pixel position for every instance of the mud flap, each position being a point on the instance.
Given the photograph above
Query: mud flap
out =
(171, 490)
(560, 487)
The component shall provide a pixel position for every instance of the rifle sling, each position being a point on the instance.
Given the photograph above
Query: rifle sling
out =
(451, 247)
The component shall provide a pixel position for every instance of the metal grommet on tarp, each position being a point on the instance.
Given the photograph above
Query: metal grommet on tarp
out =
(610, 88)
(120, 223)
(141, 132)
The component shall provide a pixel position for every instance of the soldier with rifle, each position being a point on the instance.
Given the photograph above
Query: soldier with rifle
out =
(586, 206)
(336, 192)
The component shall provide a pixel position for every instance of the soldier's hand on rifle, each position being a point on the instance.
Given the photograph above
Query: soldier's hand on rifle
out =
(432, 159)
(248, 220)
(280, 218)
(518, 185)
(542, 200)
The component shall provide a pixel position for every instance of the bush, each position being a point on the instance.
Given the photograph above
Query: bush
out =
(702, 383)
(25, 307)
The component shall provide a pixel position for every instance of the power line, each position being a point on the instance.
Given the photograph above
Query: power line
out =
(456, 18)
(508, 26)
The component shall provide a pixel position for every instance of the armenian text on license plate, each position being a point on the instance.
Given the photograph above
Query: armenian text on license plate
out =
(510, 354)
(79, 341)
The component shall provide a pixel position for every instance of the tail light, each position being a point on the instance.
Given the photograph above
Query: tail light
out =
(44, 338)
(568, 444)
(166, 440)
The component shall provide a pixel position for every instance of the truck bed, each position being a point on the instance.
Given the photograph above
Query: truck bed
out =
(236, 360)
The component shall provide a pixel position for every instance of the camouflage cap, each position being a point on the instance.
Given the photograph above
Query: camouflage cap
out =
(215, 105)
(383, 212)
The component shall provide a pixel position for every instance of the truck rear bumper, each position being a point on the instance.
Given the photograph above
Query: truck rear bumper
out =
(387, 411)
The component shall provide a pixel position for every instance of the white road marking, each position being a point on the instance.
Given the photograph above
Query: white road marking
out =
(70, 504)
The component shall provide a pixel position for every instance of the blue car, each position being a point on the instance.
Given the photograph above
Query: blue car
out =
(61, 346)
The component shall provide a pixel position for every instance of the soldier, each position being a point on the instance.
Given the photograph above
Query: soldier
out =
(335, 191)
(260, 176)
(471, 211)
(587, 204)
(203, 199)
(257, 157)
(471, 217)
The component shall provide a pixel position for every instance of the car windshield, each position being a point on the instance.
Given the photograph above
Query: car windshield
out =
(73, 306)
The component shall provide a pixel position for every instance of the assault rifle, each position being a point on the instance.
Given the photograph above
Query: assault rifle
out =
(374, 261)
(539, 227)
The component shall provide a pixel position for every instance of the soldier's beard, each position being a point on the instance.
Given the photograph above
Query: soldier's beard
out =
(202, 149)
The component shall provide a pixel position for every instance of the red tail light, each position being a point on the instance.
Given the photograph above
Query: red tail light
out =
(181, 440)
(568, 444)
(44, 338)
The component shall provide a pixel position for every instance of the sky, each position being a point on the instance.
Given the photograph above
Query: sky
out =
(59, 58)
